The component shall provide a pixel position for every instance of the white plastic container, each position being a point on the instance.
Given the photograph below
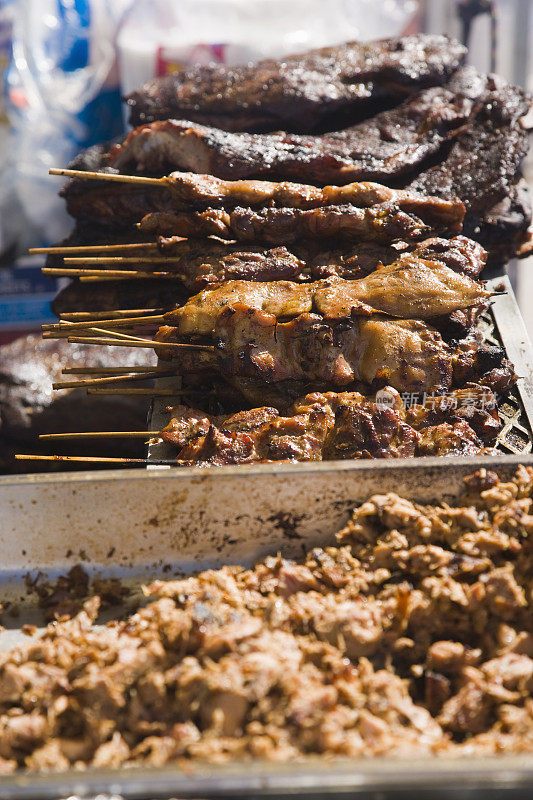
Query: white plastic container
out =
(158, 36)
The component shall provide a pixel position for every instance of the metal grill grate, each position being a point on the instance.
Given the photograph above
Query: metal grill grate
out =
(516, 436)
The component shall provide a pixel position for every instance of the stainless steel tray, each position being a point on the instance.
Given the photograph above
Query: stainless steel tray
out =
(138, 524)
(500, 325)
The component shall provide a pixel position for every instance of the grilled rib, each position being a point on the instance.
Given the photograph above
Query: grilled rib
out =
(390, 145)
(302, 91)
(321, 427)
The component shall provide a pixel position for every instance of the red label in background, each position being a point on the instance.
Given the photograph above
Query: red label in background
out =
(169, 59)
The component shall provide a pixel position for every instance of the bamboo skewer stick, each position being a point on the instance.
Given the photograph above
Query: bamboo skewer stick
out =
(99, 434)
(121, 260)
(106, 274)
(112, 370)
(74, 316)
(151, 344)
(112, 379)
(106, 176)
(142, 392)
(65, 333)
(91, 248)
(169, 462)
(109, 323)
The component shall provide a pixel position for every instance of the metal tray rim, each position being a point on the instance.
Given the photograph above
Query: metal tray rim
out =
(304, 778)
(274, 469)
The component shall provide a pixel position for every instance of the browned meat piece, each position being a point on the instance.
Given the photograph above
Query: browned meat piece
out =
(339, 426)
(475, 405)
(447, 439)
(29, 406)
(384, 223)
(408, 288)
(505, 227)
(478, 362)
(390, 145)
(407, 354)
(303, 91)
(199, 262)
(460, 254)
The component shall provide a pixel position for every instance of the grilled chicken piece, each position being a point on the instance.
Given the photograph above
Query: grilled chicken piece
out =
(329, 426)
(303, 91)
(390, 145)
(409, 287)
(384, 222)
(405, 353)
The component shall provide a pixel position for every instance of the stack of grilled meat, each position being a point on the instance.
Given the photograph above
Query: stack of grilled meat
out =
(346, 301)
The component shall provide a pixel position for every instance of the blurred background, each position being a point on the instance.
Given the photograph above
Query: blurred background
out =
(64, 65)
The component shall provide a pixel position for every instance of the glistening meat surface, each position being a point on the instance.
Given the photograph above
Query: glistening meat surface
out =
(391, 144)
(409, 287)
(322, 427)
(384, 223)
(303, 91)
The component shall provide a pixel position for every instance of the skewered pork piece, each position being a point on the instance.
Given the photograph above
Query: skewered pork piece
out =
(385, 223)
(408, 354)
(303, 91)
(410, 287)
(185, 191)
(200, 262)
(339, 426)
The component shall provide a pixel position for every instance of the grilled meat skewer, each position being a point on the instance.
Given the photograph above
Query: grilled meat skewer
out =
(408, 354)
(409, 287)
(320, 427)
(384, 223)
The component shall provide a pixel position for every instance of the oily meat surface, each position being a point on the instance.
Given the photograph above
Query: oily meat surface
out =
(408, 288)
(329, 426)
(300, 91)
(411, 635)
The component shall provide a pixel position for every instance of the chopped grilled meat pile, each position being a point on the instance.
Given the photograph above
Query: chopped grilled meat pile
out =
(300, 92)
(324, 427)
(411, 635)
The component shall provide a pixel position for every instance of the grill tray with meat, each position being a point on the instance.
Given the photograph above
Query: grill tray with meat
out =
(411, 635)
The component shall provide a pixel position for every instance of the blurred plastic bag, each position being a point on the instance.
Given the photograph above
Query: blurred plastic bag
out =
(63, 96)
(160, 35)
